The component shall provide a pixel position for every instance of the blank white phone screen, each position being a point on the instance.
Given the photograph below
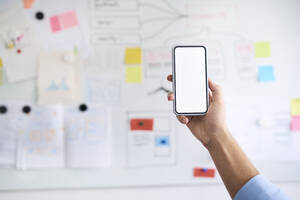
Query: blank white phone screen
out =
(190, 80)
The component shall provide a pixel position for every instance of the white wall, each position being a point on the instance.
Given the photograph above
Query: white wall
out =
(213, 191)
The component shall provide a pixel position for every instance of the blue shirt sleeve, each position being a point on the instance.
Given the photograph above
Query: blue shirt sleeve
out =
(259, 188)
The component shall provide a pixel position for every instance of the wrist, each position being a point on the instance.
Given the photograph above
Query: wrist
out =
(218, 139)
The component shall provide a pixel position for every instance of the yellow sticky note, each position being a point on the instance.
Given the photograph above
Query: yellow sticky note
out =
(134, 74)
(133, 56)
(295, 107)
(1, 76)
(262, 49)
(1, 63)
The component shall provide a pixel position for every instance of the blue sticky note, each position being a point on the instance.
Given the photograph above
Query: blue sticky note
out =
(161, 141)
(266, 73)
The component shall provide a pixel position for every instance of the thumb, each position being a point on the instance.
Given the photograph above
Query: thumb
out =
(216, 90)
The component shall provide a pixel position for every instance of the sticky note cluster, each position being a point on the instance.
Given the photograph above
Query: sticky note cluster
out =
(133, 61)
(295, 111)
(63, 21)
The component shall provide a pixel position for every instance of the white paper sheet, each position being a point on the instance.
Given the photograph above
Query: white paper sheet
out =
(151, 147)
(41, 138)
(88, 137)
(19, 66)
(8, 136)
(263, 130)
(58, 80)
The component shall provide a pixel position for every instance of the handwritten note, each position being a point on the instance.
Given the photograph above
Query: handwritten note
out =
(134, 74)
(262, 49)
(295, 107)
(295, 123)
(133, 56)
(266, 73)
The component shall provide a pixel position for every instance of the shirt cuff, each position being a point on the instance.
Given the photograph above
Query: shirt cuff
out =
(259, 188)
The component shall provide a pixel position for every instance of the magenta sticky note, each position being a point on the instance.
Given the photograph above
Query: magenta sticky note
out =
(68, 19)
(295, 123)
(55, 23)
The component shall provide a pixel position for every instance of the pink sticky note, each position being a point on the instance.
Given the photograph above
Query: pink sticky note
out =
(295, 123)
(68, 19)
(55, 24)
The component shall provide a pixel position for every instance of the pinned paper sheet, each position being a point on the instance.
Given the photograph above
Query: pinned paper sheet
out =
(295, 124)
(88, 137)
(133, 56)
(141, 124)
(266, 73)
(262, 49)
(295, 107)
(20, 62)
(63, 21)
(58, 78)
(28, 3)
(134, 74)
(41, 139)
(204, 172)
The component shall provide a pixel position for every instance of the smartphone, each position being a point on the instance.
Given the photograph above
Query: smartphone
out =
(190, 84)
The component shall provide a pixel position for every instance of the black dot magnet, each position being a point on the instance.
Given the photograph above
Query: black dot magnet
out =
(26, 109)
(3, 109)
(39, 15)
(83, 107)
(141, 123)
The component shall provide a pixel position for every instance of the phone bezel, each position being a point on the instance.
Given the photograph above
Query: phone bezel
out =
(174, 81)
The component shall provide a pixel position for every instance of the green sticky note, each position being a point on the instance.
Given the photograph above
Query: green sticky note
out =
(295, 107)
(134, 74)
(262, 49)
(133, 56)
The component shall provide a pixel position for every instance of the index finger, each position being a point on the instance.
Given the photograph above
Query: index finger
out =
(170, 77)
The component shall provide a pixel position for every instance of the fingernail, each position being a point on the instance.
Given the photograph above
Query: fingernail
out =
(185, 120)
(169, 97)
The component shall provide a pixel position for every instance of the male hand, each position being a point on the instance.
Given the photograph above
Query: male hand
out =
(211, 126)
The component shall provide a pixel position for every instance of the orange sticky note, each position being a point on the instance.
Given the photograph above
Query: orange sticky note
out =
(28, 3)
(204, 172)
(142, 124)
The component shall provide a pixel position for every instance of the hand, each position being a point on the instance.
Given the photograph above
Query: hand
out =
(211, 126)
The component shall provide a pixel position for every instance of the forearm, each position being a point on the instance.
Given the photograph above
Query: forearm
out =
(233, 165)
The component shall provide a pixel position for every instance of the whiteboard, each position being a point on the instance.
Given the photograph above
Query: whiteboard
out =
(156, 26)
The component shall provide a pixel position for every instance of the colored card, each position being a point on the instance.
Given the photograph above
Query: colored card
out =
(28, 3)
(68, 19)
(55, 24)
(134, 75)
(204, 172)
(133, 56)
(295, 107)
(1, 63)
(262, 49)
(295, 123)
(142, 124)
(266, 73)
(162, 141)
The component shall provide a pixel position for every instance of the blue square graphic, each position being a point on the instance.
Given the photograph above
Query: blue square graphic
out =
(266, 73)
(162, 141)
